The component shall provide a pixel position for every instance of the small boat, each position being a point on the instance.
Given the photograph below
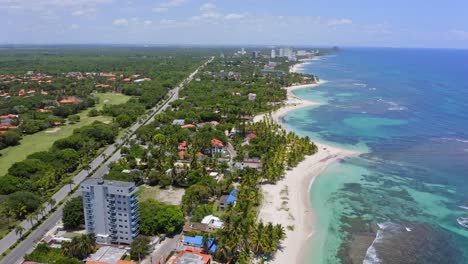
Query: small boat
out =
(463, 221)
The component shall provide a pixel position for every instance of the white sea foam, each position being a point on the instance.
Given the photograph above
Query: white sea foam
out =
(463, 207)
(371, 253)
(454, 139)
(397, 108)
(408, 229)
(463, 221)
(360, 85)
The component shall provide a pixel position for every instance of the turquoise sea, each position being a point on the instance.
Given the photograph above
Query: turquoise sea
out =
(400, 201)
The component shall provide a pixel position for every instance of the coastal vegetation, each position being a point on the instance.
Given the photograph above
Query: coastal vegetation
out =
(210, 146)
(69, 92)
(73, 213)
(70, 252)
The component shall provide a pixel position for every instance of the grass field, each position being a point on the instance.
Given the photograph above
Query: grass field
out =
(170, 195)
(110, 99)
(43, 140)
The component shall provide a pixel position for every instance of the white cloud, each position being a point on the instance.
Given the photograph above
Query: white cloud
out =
(160, 9)
(164, 7)
(167, 22)
(207, 7)
(74, 26)
(75, 6)
(147, 22)
(120, 22)
(88, 12)
(340, 22)
(173, 3)
(460, 34)
(233, 16)
(207, 16)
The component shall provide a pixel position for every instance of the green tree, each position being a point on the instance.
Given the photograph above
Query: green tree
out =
(74, 118)
(80, 246)
(124, 120)
(157, 217)
(73, 213)
(22, 203)
(139, 248)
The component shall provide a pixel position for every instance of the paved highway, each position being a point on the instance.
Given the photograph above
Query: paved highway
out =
(113, 152)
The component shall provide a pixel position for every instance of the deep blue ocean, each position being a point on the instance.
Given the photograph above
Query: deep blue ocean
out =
(403, 199)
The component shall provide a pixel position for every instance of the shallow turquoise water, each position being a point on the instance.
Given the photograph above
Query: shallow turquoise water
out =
(406, 111)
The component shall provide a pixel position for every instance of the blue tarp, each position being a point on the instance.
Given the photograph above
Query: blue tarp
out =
(232, 196)
(197, 241)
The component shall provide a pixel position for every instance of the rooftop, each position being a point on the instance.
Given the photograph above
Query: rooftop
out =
(111, 255)
(108, 183)
(190, 256)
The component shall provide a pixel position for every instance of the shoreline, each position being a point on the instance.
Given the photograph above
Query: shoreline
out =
(287, 202)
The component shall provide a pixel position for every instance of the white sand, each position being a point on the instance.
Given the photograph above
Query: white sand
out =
(287, 202)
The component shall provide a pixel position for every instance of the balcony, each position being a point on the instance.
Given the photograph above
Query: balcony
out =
(135, 217)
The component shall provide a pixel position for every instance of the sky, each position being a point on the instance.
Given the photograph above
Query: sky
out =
(374, 23)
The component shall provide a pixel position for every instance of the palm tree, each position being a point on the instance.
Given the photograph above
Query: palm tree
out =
(41, 209)
(31, 218)
(22, 211)
(70, 182)
(51, 201)
(19, 229)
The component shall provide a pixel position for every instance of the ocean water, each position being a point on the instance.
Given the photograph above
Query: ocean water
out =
(406, 110)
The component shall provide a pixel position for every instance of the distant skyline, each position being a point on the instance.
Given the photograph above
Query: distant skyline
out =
(397, 23)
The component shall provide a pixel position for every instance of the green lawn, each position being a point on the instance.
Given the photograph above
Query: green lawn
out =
(110, 99)
(43, 140)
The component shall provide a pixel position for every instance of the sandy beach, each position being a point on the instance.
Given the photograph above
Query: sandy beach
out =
(287, 202)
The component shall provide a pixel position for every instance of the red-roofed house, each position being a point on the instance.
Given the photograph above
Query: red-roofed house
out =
(44, 92)
(6, 128)
(102, 86)
(192, 256)
(217, 146)
(126, 80)
(250, 136)
(11, 116)
(21, 92)
(181, 154)
(96, 262)
(69, 101)
(183, 146)
(31, 92)
(126, 262)
(188, 126)
(105, 74)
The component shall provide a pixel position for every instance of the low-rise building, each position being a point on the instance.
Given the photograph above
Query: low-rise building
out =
(225, 200)
(107, 254)
(213, 221)
(191, 256)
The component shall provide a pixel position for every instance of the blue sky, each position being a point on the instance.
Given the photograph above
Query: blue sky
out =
(396, 23)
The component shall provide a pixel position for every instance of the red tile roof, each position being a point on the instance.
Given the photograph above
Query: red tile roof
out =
(217, 143)
(205, 258)
(188, 126)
